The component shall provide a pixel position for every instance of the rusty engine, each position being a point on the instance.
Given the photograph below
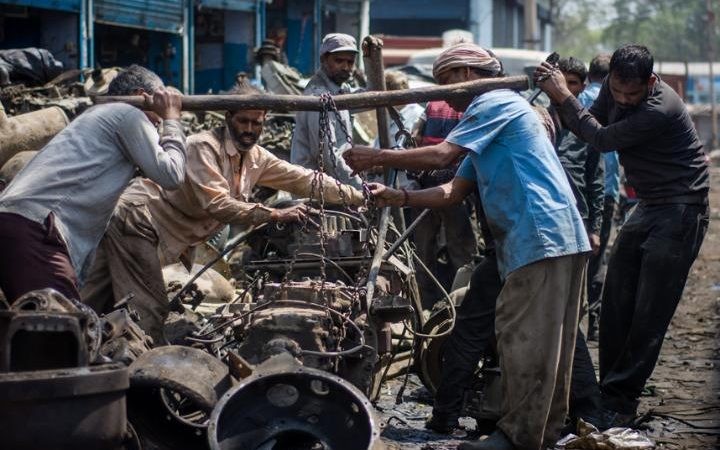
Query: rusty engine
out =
(302, 315)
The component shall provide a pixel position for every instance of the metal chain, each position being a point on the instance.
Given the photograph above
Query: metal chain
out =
(325, 140)
(348, 140)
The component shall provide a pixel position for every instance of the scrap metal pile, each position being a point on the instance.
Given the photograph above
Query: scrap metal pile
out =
(290, 363)
(284, 350)
(289, 360)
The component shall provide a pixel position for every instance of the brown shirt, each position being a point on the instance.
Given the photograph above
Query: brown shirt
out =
(217, 187)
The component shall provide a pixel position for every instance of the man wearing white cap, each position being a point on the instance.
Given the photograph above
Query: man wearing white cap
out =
(541, 244)
(337, 61)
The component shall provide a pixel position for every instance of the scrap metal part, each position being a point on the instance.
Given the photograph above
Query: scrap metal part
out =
(64, 409)
(286, 406)
(188, 371)
(44, 330)
(173, 390)
(123, 339)
(318, 323)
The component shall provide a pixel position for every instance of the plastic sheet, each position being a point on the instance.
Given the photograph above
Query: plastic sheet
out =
(612, 439)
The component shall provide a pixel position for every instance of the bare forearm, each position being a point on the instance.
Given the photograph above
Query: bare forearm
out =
(431, 157)
(435, 197)
(450, 193)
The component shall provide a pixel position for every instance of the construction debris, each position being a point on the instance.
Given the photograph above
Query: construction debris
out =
(613, 439)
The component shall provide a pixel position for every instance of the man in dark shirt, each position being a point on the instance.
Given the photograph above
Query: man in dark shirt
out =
(581, 165)
(647, 122)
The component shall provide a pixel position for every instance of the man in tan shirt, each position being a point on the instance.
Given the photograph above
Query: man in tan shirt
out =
(152, 227)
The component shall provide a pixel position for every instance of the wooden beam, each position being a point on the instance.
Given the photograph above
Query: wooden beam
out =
(361, 100)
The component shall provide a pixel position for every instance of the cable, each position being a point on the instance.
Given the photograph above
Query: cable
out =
(336, 265)
(451, 305)
(228, 248)
(205, 341)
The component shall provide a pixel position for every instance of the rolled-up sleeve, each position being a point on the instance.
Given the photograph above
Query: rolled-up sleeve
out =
(279, 174)
(212, 191)
(160, 158)
(638, 127)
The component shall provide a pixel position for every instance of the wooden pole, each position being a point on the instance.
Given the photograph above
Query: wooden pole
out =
(363, 100)
(375, 73)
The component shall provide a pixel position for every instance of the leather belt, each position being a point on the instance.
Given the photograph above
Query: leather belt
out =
(694, 199)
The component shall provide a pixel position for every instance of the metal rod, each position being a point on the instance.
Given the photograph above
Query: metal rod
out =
(363, 100)
(406, 234)
(379, 246)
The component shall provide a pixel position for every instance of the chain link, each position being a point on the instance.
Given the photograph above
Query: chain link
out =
(326, 148)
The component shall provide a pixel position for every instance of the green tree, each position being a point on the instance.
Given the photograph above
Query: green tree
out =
(674, 30)
(574, 32)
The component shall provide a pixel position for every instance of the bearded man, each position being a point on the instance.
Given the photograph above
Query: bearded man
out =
(152, 226)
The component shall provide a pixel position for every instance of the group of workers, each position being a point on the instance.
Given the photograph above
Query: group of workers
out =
(80, 220)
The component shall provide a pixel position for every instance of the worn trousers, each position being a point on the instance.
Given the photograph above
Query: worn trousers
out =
(460, 241)
(472, 339)
(598, 263)
(127, 263)
(536, 323)
(649, 264)
(34, 256)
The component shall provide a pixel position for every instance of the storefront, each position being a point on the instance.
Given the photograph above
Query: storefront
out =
(50, 24)
(145, 32)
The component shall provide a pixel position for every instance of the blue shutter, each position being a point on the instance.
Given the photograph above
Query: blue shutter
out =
(156, 15)
(419, 9)
(233, 5)
(58, 5)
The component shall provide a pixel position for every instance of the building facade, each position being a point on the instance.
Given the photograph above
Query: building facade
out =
(494, 23)
(199, 46)
(195, 45)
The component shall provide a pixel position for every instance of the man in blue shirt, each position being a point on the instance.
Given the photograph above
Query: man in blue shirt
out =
(540, 237)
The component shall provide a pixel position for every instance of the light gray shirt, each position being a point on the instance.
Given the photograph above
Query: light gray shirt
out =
(305, 143)
(79, 175)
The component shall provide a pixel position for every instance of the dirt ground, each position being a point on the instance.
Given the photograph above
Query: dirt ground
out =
(681, 405)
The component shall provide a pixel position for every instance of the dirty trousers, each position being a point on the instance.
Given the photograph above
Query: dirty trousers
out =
(126, 262)
(34, 256)
(646, 274)
(536, 325)
(472, 339)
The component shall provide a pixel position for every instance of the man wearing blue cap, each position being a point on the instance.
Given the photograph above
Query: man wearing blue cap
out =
(337, 61)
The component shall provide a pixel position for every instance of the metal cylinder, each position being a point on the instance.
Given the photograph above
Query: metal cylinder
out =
(64, 408)
(29, 131)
